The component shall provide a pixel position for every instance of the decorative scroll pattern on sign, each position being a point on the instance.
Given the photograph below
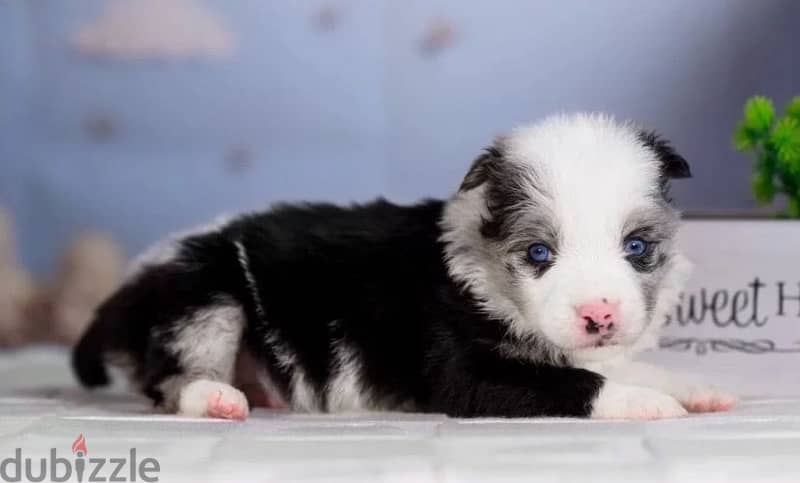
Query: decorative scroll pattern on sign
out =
(703, 346)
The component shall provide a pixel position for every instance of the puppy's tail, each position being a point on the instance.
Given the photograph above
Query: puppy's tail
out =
(88, 356)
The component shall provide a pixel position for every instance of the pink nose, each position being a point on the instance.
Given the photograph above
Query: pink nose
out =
(600, 317)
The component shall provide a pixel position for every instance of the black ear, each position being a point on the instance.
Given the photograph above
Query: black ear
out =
(673, 165)
(483, 167)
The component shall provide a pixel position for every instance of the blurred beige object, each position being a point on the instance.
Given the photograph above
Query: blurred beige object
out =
(155, 29)
(440, 35)
(7, 246)
(90, 270)
(17, 290)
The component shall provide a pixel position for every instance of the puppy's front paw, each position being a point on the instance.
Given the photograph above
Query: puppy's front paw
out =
(623, 401)
(704, 398)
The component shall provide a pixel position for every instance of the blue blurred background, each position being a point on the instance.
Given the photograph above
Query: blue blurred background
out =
(345, 100)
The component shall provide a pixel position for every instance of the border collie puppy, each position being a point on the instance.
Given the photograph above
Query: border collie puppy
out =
(523, 294)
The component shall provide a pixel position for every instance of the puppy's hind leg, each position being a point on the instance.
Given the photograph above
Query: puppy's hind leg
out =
(204, 345)
(213, 399)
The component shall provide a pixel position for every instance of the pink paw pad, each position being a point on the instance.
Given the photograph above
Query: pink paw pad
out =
(717, 403)
(220, 407)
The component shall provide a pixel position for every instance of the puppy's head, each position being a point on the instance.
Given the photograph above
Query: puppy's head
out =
(564, 231)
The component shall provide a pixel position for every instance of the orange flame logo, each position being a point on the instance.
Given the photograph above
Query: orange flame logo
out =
(79, 445)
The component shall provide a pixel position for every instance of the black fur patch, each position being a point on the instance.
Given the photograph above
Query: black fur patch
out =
(503, 191)
(481, 167)
(504, 195)
(673, 165)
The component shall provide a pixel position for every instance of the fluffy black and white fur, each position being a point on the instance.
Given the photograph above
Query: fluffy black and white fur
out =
(435, 307)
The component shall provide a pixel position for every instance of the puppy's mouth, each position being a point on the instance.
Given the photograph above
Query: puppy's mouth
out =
(600, 334)
(607, 340)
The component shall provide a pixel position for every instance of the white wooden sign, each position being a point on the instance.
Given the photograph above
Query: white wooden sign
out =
(738, 321)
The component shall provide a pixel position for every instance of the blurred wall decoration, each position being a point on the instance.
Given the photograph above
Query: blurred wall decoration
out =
(154, 29)
(139, 117)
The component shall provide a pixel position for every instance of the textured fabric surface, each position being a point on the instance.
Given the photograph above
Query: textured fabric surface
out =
(41, 408)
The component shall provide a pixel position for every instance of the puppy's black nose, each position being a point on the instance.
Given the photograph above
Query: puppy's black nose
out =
(593, 327)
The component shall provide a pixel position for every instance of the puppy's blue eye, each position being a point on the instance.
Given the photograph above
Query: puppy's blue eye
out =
(635, 247)
(539, 253)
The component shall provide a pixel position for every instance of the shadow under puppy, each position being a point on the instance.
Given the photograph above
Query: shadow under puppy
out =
(524, 294)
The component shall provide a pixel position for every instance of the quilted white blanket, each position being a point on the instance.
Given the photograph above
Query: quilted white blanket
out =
(46, 420)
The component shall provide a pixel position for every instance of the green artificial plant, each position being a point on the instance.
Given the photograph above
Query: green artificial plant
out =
(774, 143)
